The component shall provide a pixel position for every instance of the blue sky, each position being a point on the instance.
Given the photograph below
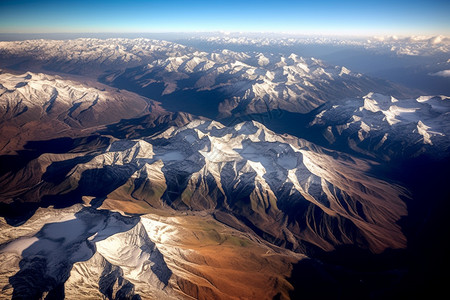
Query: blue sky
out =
(309, 17)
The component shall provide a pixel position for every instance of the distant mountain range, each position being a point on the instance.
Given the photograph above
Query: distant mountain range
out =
(224, 83)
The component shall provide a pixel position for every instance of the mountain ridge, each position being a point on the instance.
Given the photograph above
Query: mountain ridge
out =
(221, 166)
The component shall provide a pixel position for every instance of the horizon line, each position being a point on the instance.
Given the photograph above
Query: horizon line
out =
(229, 33)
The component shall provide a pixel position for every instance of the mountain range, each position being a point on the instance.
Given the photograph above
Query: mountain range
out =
(146, 169)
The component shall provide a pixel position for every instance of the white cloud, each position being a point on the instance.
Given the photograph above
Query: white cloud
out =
(444, 73)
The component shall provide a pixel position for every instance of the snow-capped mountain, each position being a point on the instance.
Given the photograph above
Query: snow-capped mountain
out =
(388, 128)
(203, 188)
(88, 57)
(246, 83)
(243, 83)
(39, 106)
(76, 245)
(106, 194)
(292, 193)
(80, 252)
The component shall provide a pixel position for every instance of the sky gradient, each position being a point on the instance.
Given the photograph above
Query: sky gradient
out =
(369, 17)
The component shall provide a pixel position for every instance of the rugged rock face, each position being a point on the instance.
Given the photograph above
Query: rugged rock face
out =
(387, 128)
(288, 191)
